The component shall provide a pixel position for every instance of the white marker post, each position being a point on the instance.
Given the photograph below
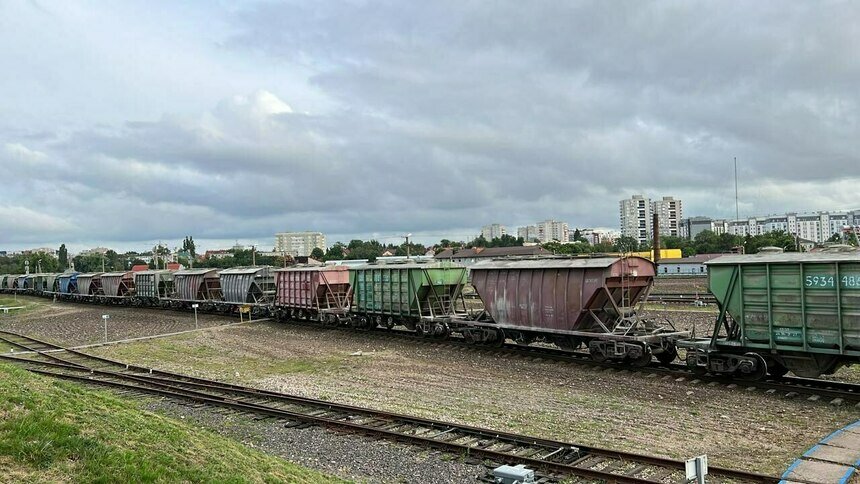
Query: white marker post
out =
(105, 317)
(194, 307)
(697, 469)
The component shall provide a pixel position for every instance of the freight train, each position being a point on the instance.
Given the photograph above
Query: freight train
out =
(777, 312)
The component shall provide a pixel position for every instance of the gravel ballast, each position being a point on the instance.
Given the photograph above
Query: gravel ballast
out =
(348, 456)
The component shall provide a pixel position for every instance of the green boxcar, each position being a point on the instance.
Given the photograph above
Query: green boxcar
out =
(802, 309)
(406, 291)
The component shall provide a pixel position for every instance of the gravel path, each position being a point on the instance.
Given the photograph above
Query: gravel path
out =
(348, 456)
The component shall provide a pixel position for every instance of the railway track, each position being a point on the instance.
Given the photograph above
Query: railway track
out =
(553, 460)
(682, 298)
(816, 390)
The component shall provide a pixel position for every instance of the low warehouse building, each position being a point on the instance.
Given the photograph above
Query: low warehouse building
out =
(685, 266)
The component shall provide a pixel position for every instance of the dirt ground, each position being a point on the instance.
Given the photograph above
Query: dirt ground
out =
(80, 324)
(680, 285)
(604, 408)
(566, 402)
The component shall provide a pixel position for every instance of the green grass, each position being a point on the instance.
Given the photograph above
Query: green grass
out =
(59, 431)
(11, 302)
(188, 350)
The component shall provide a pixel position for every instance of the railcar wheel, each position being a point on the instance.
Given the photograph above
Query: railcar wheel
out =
(756, 373)
(389, 322)
(468, 337)
(596, 354)
(668, 355)
(644, 359)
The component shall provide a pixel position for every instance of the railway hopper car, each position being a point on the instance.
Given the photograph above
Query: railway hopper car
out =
(797, 312)
(574, 302)
(321, 293)
(201, 286)
(67, 284)
(12, 282)
(153, 287)
(89, 286)
(422, 297)
(37, 283)
(247, 285)
(117, 286)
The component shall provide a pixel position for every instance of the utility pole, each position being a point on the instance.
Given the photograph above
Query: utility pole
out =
(408, 251)
(254, 255)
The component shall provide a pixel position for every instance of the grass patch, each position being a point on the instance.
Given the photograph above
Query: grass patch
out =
(189, 352)
(12, 302)
(58, 431)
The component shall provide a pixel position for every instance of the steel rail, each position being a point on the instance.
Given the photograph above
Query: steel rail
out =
(174, 386)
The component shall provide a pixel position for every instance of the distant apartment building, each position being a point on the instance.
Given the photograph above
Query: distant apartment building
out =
(635, 215)
(594, 237)
(493, 231)
(95, 250)
(669, 213)
(299, 244)
(528, 233)
(553, 231)
(546, 231)
(691, 227)
(814, 227)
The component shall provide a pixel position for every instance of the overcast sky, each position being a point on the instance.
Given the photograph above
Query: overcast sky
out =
(127, 122)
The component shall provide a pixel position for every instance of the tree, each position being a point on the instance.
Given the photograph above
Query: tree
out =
(777, 238)
(370, 250)
(188, 246)
(336, 252)
(625, 243)
(672, 242)
(63, 257)
(317, 254)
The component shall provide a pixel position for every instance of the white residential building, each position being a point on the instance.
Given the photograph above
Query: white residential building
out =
(528, 233)
(636, 218)
(299, 244)
(493, 231)
(553, 231)
(546, 231)
(815, 227)
(669, 213)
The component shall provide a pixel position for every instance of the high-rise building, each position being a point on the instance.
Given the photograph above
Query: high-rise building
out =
(553, 231)
(636, 218)
(546, 231)
(528, 233)
(669, 213)
(299, 244)
(493, 231)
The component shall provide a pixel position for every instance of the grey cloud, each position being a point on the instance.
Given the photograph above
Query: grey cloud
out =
(453, 114)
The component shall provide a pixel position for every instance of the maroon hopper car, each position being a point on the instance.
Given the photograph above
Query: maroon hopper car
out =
(574, 301)
(314, 292)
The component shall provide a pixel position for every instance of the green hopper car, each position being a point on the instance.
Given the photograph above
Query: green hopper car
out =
(797, 312)
(419, 296)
